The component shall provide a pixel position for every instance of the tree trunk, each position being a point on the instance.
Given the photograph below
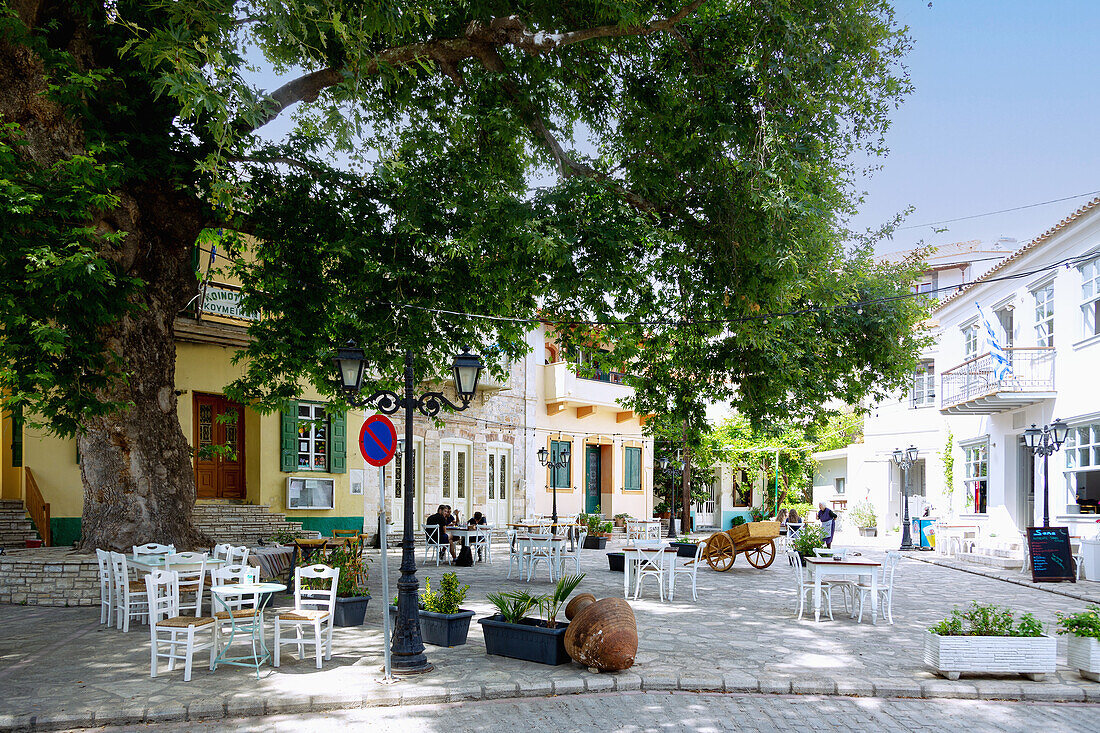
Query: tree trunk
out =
(685, 487)
(135, 464)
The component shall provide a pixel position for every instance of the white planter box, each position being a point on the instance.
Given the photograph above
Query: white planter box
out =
(1034, 656)
(1083, 654)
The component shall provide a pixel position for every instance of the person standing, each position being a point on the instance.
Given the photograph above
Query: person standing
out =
(827, 517)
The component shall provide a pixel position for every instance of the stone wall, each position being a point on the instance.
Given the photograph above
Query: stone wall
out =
(49, 577)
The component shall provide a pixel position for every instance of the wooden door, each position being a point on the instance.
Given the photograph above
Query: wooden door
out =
(219, 447)
(591, 478)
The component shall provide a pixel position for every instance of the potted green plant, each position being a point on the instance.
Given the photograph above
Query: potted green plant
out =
(1082, 632)
(811, 537)
(351, 592)
(685, 546)
(598, 532)
(737, 521)
(863, 516)
(620, 519)
(443, 622)
(987, 638)
(510, 633)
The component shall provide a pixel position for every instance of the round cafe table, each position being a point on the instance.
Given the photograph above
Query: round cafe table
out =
(242, 620)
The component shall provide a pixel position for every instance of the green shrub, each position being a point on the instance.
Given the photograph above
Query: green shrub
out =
(863, 515)
(804, 509)
(808, 539)
(981, 619)
(737, 521)
(1085, 624)
(352, 582)
(447, 599)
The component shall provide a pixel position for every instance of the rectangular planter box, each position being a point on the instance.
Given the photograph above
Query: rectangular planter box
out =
(950, 655)
(595, 543)
(616, 562)
(350, 611)
(1083, 654)
(529, 640)
(441, 629)
(684, 549)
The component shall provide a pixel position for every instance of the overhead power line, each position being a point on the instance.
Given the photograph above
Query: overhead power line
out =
(1000, 211)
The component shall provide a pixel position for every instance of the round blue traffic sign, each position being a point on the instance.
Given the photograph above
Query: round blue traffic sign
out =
(378, 440)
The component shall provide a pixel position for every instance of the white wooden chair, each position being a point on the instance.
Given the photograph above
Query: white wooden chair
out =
(433, 545)
(634, 530)
(574, 555)
(652, 530)
(651, 564)
(153, 549)
(516, 557)
(191, 569)
(240, 612)
(805, 588)
(846, 586)
(885, 588)
(481, 543)
(131, 596)
(220, 552)
(168, 627)
(314, 608)
(689, 568)
(106, 587)
(540, 548)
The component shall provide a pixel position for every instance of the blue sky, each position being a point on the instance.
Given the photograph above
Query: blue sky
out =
(1005, 113)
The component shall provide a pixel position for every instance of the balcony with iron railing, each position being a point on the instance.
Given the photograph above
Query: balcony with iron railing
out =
(562, 388)
(975, 388)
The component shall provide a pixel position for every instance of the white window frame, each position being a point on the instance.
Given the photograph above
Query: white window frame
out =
(970, 341)
(1044, 314)
(972, 461)
(1090, 298)
(923, 390)
(838, 485)
(311, 439)
(456, 493)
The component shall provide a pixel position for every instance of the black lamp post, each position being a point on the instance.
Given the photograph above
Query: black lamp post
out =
(676, 469)
(554, 462)
(905, 458)
(407, 646)
(1044, 443)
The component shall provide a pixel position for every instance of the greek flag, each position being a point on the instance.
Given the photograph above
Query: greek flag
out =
(1002, 365)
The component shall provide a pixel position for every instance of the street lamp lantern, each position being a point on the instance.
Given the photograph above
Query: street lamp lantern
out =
(544, 456)
(467, 371)
(406, 643)
(905, 460)
(553, 462)
(1045, 443)
(664, 463)
(349, 361)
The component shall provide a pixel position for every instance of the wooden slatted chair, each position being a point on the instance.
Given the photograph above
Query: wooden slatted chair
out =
(312, 607)
(131, 599)
(168, 627)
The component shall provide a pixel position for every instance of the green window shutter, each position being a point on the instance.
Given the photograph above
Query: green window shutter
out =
(17, 437)
(634, 468)
(561, 475)
(288, 453)
(338, 442)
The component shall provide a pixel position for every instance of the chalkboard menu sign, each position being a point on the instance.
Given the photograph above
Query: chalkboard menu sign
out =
(1051, 559)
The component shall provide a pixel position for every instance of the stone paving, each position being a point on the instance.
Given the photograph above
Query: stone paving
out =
(665, 712)
(59, 668)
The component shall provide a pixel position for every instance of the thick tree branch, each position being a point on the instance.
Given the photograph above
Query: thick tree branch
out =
(451, 52)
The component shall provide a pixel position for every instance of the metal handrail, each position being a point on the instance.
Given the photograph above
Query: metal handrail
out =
(1033, 370)
(38, 509)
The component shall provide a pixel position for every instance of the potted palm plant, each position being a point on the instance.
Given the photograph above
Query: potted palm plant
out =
(510, 633)
(1082, 631)
(986, 638)
(442, 620)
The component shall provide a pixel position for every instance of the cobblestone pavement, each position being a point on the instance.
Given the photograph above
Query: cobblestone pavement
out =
(668, 712)
(59, 667)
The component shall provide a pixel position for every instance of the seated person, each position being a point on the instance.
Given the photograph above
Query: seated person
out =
(440, 520)
(478, 518)
(451, 517)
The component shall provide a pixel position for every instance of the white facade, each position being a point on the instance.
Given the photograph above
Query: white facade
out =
(1042, 300)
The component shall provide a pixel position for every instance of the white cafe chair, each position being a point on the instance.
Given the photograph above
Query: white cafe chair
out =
(885, 588)
(131, 596)
(540, 548)
(191, 569)
(481, 543)
(434, 546)
(313, 608)
(806, 588)
(689, 568)
(106, 587)
(153, 549)
(573, 555)
(516, 557)
(651, 564)
(168, 627)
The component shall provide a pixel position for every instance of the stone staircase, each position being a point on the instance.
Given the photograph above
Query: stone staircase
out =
(242, 524)
(15, 526)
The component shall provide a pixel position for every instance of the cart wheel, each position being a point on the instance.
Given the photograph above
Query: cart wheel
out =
(761, 556)
(719, 552)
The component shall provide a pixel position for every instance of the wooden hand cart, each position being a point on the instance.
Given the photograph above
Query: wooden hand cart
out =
(756, 540)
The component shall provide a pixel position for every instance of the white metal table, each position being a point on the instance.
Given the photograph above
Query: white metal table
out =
(819, 566)
(253, 623)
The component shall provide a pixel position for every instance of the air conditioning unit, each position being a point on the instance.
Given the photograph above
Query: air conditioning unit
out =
(303, 492)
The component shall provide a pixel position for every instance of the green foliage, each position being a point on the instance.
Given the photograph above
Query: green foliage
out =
(737, 521)
(863, 515)
(1084, 623)
(987, 620)
(623, 515)
(804, 508)
(550, 604)
(811, 537)
(353, 574)
(949, 466)
(283, 537)
(447, 599)
(513, 606)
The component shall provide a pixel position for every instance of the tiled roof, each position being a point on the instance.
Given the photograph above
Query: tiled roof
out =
(1045, 236)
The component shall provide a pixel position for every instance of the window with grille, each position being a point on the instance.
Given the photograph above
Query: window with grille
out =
(1044, 316)
(446, 474)
(1090, 297)
(312, 437)
(399, 475)
(977, 476)
(923, 393)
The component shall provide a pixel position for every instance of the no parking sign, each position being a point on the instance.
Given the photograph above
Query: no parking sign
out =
(378, 440)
